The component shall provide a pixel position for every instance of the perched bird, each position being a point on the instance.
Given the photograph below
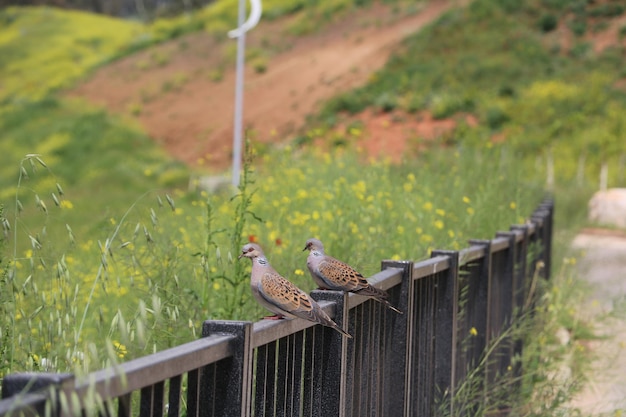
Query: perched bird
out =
(332, 274)
(280, 296)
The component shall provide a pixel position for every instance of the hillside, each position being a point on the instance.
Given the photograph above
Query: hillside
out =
(182, 91)
(190, 114)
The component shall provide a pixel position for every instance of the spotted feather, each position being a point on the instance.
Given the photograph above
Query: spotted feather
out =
(332, 274)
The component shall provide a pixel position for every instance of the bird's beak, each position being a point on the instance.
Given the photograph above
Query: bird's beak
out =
(240, 256)
(305, 248)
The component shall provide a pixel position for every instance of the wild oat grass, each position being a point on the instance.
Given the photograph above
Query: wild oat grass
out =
(552, 369)
(148, 275)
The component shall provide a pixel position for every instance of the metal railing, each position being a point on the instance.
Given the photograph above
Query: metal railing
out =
(395, 365)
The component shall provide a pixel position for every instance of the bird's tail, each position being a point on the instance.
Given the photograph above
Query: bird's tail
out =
(339, 329)
(322, 318)
(378, 295)
(389, 306)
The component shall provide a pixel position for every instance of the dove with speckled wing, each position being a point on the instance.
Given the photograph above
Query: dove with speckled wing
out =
(279, 295)
(332, 274)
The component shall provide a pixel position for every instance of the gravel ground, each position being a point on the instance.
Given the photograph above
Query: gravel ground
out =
(603, 265)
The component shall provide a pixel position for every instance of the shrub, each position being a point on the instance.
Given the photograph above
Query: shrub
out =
(606, 10)
(577, 26)
(496, 117)
(548, 22)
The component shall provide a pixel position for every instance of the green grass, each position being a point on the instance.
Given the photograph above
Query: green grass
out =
(43, 48)
(492, 60)
(132, 258)
(147, 278)
(555, 358)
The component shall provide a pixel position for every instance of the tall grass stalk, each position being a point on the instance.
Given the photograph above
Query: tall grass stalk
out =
(552, 370)
(152, 279)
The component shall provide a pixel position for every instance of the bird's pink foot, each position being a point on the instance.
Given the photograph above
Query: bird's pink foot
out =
(274, 317)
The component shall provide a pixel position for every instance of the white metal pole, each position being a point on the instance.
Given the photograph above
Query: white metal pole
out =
(237, 134)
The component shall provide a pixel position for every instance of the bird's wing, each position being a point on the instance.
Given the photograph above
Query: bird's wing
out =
(341, 275)
(277, 291)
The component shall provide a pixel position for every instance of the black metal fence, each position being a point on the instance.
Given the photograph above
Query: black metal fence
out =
(456, 303)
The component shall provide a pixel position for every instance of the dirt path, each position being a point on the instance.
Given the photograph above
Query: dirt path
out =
(169, 90)
(603, 265)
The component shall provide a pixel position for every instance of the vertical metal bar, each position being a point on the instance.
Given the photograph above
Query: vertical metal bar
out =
(209, 390)
(298, 347)
(446, 329)
(145, 402)
(520, 289)
(319, 343)
(351, 355)
(232, 387)
(260, 383)
(157, 399)
(548, 208)
(193, 393)
(430, 344)
(421, 321)
(123, 405)
(399, 364)
(358, 332)
(334, 364)
(309, 383)
(509, 299)
(368, 352)
(270, 404)
(381, 341)
(173, 408)
(478, 305)
(521, 266)
(282, 383)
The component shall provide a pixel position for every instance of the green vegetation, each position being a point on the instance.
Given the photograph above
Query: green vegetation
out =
(43, 49)
(147, 277)
(554, 360)
(103, 240)
(492, 60)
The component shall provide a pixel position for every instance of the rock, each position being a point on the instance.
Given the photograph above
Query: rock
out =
(563, 336)
(609, 207)
(212, 185)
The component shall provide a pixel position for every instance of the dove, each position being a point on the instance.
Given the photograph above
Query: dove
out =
(332, 274)
(279, 295)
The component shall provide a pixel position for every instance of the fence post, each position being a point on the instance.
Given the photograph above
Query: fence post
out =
(509, 301)
(227, 386)
(446, 328)
(398, 395)
(543, 219)
(521, 278)
(548, 207)
(334, 359)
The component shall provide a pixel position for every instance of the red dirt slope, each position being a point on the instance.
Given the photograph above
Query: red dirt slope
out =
(169, 90)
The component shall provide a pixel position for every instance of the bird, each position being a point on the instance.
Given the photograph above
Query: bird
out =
(280, 296)
(332, 274)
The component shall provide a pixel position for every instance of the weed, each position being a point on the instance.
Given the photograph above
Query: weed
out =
(549, 365)
(548, 22)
